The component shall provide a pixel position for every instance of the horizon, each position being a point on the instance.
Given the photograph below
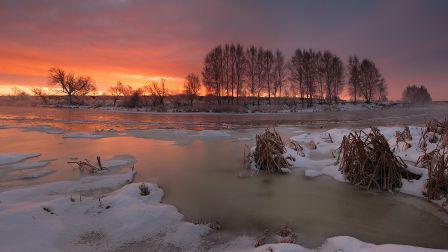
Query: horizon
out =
(135, 42)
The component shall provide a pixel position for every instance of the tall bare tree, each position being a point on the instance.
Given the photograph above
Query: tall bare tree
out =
(279, 72)
(240, 64)
(260, 72)
(212, 72)
(268, 67)
(251, 70)
(309, 74)
(354, 79)
(297, 75)
(371, 80)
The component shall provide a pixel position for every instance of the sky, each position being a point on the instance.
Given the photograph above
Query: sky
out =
(137, 41)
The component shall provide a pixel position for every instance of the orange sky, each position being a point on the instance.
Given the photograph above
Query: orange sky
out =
(137, 41)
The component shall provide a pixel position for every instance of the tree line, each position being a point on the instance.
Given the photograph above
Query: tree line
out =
(233, 74)
(231, 71)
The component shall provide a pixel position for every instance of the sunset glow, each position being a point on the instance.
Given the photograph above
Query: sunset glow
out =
(134, 42)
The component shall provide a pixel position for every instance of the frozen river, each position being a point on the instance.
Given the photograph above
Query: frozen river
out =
(197, 160)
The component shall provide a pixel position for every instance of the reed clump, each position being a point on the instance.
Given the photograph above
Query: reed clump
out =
(367, 161)
(436, 159)
(436, 186)
(269, 153)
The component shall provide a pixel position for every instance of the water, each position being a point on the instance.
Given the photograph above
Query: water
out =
(198, 171)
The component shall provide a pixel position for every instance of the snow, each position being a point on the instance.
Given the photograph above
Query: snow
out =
(10, 158)
(111, 214)
(50, 217)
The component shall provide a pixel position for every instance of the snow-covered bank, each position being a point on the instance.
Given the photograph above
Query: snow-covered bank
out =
(323, 158)
(106, 212)
(81, 215)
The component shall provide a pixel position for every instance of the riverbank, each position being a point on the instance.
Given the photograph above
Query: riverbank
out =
(109, 212)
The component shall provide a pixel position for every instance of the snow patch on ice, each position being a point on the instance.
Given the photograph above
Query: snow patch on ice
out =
(211, 133)
(83, 135)
(44, 128)
(28, 165)
(10, 158)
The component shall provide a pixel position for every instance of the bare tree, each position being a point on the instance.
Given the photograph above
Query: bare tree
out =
(115, 91)
(212, 72)
(227, 72)
(240, 64)
(371, 80)
(157, 91)
(40, 93)
(192, 85)
(309, 66)
(268, 65)
(338, 78)
(71, 84)
(260, 72)
(333, 75)
(297, 75)
(320, 76)
(279, 72)
(416, 94)
(251, 70)
(354, 73)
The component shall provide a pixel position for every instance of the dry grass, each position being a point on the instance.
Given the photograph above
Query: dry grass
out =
(144, 190)
(269, 152)
(367, 161)
(403, 136)
(85, 166)
(296, 147)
